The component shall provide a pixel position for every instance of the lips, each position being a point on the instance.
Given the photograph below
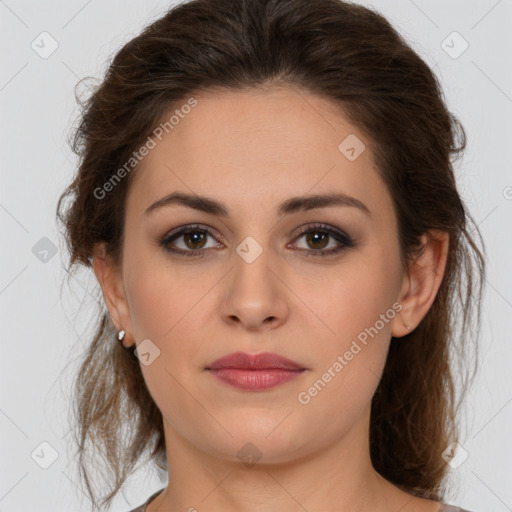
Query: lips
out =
(254, 372)
(264, 361)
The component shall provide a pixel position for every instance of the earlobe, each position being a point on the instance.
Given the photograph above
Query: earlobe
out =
(110, 280)
(421, 282)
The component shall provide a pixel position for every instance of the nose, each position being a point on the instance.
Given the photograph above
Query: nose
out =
(256, 297)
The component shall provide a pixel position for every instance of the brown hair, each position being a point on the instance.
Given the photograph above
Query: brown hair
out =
(352, 56)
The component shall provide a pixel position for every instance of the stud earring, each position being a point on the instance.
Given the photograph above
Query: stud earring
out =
(120, 338)
(407, 326)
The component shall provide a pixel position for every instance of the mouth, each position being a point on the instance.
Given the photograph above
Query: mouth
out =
(255, 372)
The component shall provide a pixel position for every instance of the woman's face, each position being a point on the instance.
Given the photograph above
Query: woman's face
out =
(249, 281)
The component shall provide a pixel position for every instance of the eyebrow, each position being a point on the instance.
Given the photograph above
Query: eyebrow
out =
(291, 205)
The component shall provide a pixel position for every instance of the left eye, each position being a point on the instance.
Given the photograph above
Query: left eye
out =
(318, 239)
(317, 236)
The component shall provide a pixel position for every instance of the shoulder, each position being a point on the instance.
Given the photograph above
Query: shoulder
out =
(142, 507)
(451, 508)
(139, 509)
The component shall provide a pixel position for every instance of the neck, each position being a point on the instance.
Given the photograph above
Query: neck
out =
(339, 477)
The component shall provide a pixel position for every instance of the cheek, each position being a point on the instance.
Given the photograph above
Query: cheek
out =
(357, 306)
(161, 295)
(170, 306)
(162, 310)
(352, 300)
(349, 363)
(152, 304)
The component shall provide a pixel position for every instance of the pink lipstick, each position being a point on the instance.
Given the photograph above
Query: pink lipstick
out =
(255, 372)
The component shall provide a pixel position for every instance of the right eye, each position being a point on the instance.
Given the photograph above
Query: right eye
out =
(193, 240)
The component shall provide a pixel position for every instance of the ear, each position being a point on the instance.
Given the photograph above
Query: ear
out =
(421, 281)
(111, 281)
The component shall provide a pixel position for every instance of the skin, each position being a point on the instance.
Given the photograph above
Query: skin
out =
(251, 150)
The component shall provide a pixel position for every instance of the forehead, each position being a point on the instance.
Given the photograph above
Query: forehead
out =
(257, 147)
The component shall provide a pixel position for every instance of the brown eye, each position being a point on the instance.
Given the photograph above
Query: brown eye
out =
(319, 237)
(320, 240)
(194, 239)
(189, 241)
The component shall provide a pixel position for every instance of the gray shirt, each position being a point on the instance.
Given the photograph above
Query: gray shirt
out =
(444, 506)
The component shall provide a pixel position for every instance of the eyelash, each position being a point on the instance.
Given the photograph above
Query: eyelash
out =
(339, 236)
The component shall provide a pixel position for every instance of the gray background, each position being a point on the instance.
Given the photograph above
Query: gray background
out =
(41, 322)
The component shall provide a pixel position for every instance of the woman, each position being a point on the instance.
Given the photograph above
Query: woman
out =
(266, 197)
